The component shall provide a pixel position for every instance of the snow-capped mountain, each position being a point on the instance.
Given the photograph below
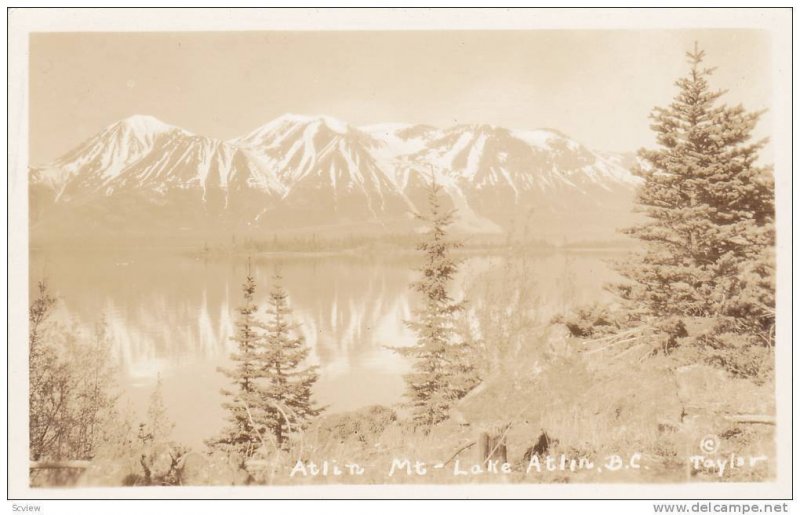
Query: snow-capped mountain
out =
(300, 171)
(143, 153)
(327, 168)
(101, 158)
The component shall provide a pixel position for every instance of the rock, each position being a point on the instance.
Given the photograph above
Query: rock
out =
(160, 461)
(558, 341)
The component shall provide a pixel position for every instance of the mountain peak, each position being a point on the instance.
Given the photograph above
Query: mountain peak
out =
(544, 138)
(478, 127)
(142, 124)
(332, 123)
(277, 130)
(106, 154)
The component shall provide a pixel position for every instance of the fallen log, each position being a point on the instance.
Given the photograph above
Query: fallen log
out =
(67, 464)
(752, 419)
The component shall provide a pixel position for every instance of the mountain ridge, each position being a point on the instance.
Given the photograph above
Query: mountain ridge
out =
(299, 171)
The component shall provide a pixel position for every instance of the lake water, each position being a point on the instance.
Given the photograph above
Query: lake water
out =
(171, 316)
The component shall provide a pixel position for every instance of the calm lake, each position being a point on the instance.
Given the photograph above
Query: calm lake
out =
(171, 316)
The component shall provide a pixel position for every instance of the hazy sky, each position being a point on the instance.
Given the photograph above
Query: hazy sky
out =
(596, 86)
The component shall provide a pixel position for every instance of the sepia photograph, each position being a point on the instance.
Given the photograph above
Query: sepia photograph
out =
(503, 253)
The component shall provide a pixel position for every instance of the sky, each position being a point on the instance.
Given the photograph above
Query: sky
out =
(598, 87)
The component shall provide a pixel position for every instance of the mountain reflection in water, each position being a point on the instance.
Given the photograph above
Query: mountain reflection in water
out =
(171, 316)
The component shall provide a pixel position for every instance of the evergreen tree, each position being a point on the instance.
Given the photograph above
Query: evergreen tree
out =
(442, 372)
(710, 234)
(286, 385)
(242, 435)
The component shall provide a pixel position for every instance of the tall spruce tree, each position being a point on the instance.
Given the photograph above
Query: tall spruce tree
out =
(442, 372)
(286, 385)
(710, 234)
(243, 434)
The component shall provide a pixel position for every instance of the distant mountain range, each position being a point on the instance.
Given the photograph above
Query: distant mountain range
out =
(141, 177)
